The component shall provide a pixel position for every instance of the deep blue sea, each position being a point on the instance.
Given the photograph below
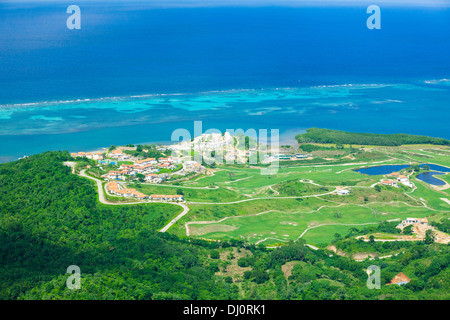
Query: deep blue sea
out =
(136, 72)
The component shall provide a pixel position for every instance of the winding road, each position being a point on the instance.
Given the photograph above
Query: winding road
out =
(102, 199)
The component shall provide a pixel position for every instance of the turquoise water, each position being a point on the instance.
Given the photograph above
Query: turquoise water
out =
(134, 73)
(79, 125)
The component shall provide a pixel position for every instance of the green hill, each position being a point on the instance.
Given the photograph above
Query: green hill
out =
(317, 135)
(51, 219)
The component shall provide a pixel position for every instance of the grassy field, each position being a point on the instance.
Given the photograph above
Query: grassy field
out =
(282, 226)
(238, 202)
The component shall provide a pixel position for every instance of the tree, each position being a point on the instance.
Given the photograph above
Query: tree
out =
(231, 175)
(429, 237)
(215, 254)
(426, 167)
(408, 230)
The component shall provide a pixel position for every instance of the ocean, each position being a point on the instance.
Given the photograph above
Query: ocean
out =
(136, 72)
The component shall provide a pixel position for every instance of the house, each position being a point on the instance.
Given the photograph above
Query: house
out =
(405, 181)
(116, 153)
(391, 183)
(196, 167)
(399, 279)
(113, 188)
(166, 165)
(175, 197)
(89, 155)
(116, 175)
(140, 196)
(98, 156)
(153, 178)
(146, 161)
(157, 197)
(394, 174)
(343, 192)
(415, 220)
(160, 197)
(74, 154)
(282, 156)
(81, 154)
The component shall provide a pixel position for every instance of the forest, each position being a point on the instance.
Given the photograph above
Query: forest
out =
(317, 135)
(51, 219)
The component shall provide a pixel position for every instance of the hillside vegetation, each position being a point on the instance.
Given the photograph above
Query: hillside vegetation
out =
(51, 219)
(317, 135)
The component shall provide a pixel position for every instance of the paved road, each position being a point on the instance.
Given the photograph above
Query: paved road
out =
(174, 220)
(102, 199)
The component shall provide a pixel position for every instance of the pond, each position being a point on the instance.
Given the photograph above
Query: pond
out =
(386, 169)
(428, 177)
(436, 167)
(380, 170)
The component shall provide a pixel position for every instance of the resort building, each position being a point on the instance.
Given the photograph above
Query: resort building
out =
(405, 181)
(89, 155)
(161, 197)
(115, 175)
(391, 183)
(116, 153)
(395, 174)
(114, 188)
(153, 178)
(343, 192)
(147, 161)
(408, 221)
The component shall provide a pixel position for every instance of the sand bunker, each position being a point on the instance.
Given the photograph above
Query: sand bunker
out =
(291, 223)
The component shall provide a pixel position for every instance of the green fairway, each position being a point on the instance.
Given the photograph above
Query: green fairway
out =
(283, 226)
(298, 200)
